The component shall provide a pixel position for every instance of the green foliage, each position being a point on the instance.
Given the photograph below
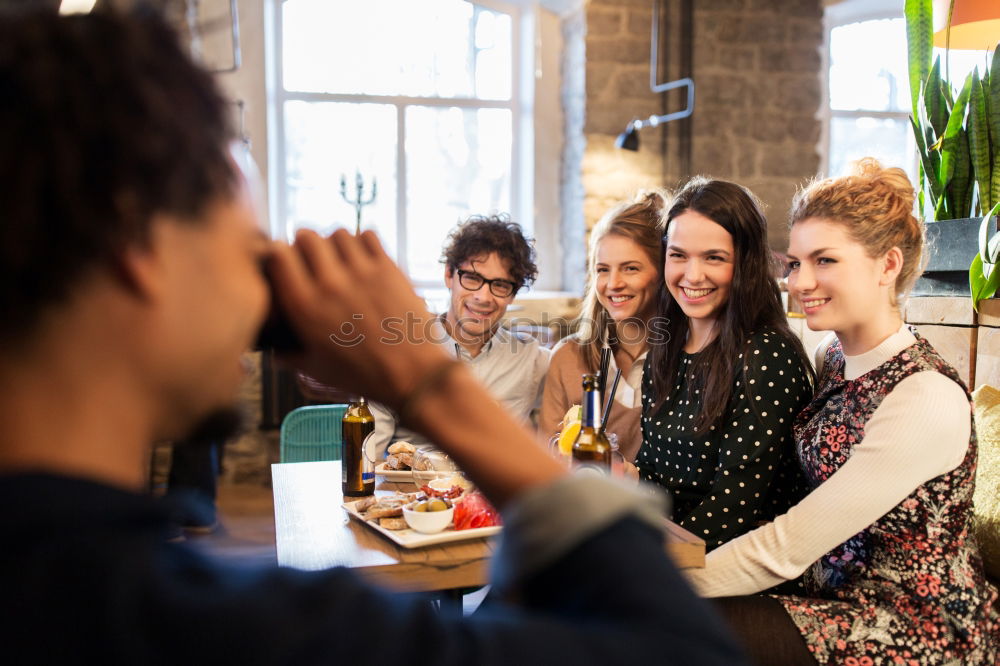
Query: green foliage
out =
(983, 276)
(953, 176)
(919, 45)
(991, 87)
(979, 140)
(958, 138)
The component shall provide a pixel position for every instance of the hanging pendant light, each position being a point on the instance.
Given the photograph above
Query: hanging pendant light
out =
(629, 139)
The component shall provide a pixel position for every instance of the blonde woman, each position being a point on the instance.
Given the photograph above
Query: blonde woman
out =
(625, 275)
(892, 573)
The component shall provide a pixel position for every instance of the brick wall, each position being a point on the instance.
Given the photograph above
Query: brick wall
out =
(756, 66)
(617, 91)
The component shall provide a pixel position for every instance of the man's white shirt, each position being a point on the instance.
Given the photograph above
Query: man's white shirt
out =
(511, 365)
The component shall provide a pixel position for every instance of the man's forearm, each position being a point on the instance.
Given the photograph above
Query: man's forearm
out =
(499, 454)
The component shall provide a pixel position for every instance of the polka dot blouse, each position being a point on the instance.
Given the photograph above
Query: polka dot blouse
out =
(743, 469)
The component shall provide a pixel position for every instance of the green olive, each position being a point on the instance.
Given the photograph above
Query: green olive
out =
(422, 506)
(437, 505)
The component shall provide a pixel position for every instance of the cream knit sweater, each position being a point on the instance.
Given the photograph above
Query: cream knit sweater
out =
(919, 431)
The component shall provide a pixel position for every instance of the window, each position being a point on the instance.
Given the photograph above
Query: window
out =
(868, 105)
(424, 98)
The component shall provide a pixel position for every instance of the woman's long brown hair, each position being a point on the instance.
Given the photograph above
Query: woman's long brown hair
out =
(754, 302)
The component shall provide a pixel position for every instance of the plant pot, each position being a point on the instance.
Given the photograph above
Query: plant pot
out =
(952, 244)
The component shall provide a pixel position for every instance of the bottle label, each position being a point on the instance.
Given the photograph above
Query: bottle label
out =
(368, 446)
(592, 409)
(590, 469)
(369, 452)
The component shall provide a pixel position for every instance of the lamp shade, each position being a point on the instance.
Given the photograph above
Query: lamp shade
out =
(629, 139)
(975, 24)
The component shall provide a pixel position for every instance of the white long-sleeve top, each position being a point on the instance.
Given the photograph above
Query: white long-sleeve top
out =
(920, 431)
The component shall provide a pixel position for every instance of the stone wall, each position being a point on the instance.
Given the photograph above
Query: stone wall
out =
(617, 91)
(757, 71)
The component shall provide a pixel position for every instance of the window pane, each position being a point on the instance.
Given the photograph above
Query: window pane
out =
(458, 163)
(326, 140)
(887, 139)
(351, 47)
(868, 69)
(493, 55)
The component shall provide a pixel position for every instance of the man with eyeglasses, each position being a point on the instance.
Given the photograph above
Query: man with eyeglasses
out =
(487, 261)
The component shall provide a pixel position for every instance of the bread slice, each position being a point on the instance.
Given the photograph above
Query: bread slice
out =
(384, 510)
(402, 447)
(399, 461)
(388, 507)
(392, 523)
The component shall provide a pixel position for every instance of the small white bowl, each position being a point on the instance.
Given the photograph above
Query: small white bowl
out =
(428, 522)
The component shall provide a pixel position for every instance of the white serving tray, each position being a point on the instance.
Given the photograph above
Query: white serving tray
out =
(397, 475)
(412, 539)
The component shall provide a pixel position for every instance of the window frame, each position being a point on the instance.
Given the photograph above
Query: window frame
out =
(520, 106)
(834, 16)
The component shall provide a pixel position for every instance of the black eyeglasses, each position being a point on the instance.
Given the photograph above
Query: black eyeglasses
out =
(473, 281)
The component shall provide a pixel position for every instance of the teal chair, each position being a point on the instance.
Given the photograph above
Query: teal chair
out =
(309, 434)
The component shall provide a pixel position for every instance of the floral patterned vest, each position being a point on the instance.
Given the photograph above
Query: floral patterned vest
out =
(920, 559)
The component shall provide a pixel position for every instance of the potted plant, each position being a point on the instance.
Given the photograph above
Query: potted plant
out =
(958, 141)
(983, 276)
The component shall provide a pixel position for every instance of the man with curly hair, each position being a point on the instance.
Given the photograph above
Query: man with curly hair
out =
(487, 260)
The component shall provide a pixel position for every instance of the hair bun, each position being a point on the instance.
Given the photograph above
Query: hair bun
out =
(654, 199)
(875, 205)
(893, 179)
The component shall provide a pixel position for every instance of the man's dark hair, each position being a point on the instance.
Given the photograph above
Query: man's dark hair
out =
(105, 122)
(479, 235)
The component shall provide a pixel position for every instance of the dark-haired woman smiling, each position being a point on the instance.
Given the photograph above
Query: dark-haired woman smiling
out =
(722, 387)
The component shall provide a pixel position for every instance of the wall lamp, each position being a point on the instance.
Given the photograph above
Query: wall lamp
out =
(629, 139)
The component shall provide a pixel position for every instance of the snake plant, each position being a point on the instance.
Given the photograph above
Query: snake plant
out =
(984, 278)
(958, 137)
(958, 141)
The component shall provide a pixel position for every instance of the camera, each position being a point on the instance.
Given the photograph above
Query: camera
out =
(276, 334)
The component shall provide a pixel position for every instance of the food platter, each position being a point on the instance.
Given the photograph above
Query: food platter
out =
(411, 539)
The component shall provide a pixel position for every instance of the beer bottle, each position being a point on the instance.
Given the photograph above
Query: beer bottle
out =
(591, 450)
(358, 460)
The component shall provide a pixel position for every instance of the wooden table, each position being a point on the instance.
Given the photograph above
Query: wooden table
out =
(314, 532)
